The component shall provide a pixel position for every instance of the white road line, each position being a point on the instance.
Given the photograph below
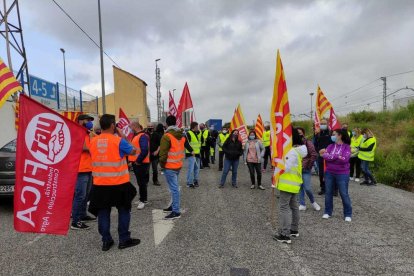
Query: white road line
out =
(37, 238)
(161, 227)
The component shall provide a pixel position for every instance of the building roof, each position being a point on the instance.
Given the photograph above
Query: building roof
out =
(115, 67)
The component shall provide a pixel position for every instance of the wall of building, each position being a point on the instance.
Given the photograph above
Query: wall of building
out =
(7, 123)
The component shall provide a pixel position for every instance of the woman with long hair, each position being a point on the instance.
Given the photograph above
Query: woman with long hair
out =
(253, 155)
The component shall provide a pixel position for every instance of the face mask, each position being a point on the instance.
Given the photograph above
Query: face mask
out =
(353, 133)
(365, 136)
(252, 137)
(89, 125)
(324, 127)
(235, 136)
(225, 131)
(333, 138)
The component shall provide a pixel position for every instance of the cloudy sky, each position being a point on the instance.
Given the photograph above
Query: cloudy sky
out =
(226, 49)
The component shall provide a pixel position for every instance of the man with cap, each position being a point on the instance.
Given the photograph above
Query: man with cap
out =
(84, 180)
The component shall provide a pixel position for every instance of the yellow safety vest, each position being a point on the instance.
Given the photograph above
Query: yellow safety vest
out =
(266, 138)
(368, 155)
(204, 133)
(195, 142)
(291, 181)
(355, 143)
(223, 138)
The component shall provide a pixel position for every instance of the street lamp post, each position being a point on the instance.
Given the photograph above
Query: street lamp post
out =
(102, 62)
(311, 112)
(64, 73)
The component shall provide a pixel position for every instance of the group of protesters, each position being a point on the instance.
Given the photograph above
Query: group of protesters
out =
(108, 156)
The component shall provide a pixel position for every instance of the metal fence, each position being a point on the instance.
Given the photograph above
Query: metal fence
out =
(77, 100)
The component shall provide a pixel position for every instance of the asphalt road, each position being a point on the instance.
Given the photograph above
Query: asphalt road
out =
(228, 232)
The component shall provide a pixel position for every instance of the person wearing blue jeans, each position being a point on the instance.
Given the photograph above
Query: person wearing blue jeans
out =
(342, 181)
(337, 158)
(80, 199)
(232, 151)
(193, 171)
(172, 179)
(104, 223)
(233, 164)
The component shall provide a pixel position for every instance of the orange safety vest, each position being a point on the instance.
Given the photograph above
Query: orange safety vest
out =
(85, 164)
(108, 168)
(176, 153)
(135, 143)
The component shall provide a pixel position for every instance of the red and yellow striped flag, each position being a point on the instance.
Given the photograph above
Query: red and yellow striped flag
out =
(322, 103)
(72, 115)
(16, 115)
(238, 123)
(8, 83)
(259, 128)
(281, 130)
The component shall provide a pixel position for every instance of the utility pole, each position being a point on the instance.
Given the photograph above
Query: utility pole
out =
(158, 86)
(384, 94)
(102, 62)
(64, 74)
(311, 112)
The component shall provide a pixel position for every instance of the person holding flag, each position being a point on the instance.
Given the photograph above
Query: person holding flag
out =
(290, 182)
(111, 183)
(84, 180)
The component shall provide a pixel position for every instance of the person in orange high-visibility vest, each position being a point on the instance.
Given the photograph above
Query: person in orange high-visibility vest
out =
(111, 183)
(172, 153)
(84, 179)
(141, 161)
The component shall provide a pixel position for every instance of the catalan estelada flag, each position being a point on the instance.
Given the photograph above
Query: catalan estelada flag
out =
(281, 128)
(322, 103)
(259, 128)
(8, 83)
(238, 123)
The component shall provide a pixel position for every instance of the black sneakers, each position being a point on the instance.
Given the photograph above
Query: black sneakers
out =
(321, 193)
(168, 209)
(173, 215)
(129, 243)
(156, 183)
(294, 233)
(282, 239)
(196, 184)
(190, 185)
(107, 245)
(79, 226)
(88, 218)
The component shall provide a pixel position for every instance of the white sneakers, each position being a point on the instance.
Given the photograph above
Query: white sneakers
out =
(348, 219)
(302, 207)
(351, 178)
(141, 205)
(356, 179)
(326, 216)
(316, 206)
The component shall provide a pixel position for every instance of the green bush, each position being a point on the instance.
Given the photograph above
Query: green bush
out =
(363, 116)
(395, 169)
(409, 142)
(404, 113)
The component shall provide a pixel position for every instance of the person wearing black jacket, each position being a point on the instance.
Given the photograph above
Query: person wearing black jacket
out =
(232, 151)
(322, 141)
(154, 150)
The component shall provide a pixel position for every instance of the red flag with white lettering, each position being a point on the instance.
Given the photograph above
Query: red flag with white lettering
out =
(333, 121)
(172, 109)
(49, 147)
(123, 124)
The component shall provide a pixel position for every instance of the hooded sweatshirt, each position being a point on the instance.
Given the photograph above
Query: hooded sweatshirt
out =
(166, 143)
(337, 158)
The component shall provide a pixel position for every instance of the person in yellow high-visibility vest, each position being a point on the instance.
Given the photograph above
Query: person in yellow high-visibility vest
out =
(367, 155)
(223, 136)
(266, 144)
(355, 162)
(193, 157)
(289, 186)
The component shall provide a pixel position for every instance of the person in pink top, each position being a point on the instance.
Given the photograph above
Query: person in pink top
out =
(253, 155)
(337, 157)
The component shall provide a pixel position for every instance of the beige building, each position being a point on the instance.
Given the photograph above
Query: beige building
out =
(130, 95)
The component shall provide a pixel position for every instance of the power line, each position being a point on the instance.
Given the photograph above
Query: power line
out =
(91, 39)
(355, 90)
(397, 74)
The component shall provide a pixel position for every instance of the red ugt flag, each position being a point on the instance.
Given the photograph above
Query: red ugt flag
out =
(185, 103)
(123, 124)
(333, 121)
(49, 147)
(171, 106)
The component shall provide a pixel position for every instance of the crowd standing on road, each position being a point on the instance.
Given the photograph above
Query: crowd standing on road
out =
(104, 180)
